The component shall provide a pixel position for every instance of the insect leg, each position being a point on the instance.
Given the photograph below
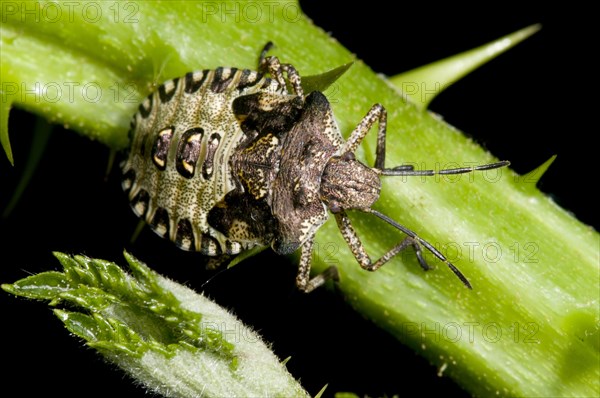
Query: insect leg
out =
(303, 280)
(357, 248)
(376, 113)
(363, 259)
(277, 69)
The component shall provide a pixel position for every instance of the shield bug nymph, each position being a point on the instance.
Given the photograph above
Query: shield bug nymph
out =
(225, 160)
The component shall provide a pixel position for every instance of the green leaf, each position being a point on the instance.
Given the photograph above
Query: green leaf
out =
(81, 325)
(46, 286)
(423, 84)
(166, 336)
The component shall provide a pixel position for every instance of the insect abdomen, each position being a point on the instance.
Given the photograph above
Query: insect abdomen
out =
(182, 138)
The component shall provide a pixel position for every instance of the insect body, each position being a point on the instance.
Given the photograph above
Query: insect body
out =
(225, 160)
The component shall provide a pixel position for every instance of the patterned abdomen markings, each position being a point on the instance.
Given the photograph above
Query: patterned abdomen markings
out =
(182, 138)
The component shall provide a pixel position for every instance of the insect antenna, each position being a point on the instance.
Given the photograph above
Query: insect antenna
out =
(409, 170)
(419, 241)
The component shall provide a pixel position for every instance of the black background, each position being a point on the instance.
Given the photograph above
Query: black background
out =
(524, 106)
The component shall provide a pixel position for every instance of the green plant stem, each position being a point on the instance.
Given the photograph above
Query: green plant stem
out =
(530, 325)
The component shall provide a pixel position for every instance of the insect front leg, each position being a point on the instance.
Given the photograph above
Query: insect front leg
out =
(376, 113)
(359, 252)
(303, 280)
